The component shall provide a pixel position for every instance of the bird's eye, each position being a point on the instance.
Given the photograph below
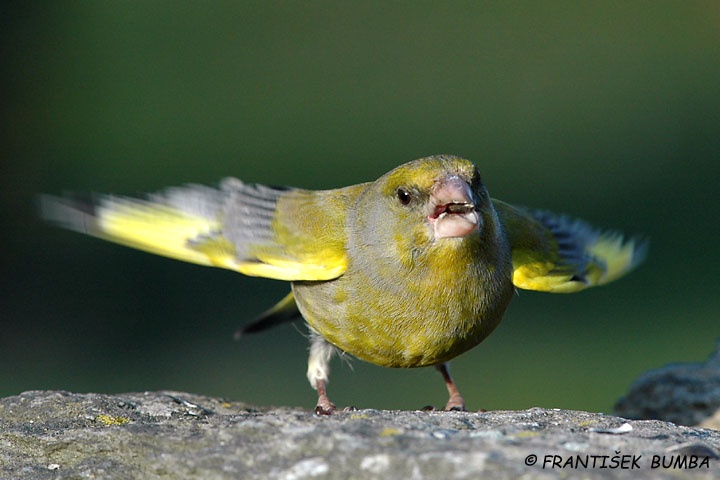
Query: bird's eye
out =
(403, 195)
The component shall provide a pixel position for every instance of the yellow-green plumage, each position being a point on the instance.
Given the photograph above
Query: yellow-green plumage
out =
(410, 270)
(406, 300)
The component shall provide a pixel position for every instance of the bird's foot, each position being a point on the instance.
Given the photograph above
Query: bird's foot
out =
(455, 404)
(324, 406)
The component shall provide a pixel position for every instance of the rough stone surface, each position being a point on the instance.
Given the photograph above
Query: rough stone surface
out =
(711, 422)
(153, 435)
(682, 393)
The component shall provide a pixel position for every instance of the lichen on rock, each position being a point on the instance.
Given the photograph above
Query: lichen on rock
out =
(153, 435)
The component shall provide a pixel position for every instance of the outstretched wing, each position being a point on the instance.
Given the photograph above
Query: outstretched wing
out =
(281, 233)
(554, 253)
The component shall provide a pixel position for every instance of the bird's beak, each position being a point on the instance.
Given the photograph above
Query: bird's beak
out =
(452, 209)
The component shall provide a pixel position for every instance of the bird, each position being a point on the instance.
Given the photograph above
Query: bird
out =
(410, 270)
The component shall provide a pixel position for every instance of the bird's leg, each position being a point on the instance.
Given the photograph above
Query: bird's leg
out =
(321, 351)
(455, 402)
(324, 405)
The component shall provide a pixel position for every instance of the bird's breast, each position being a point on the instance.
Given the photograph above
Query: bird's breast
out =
(407, 320)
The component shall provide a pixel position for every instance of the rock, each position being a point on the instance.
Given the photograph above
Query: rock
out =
(152, 435)
(711, 422)
(682, 393)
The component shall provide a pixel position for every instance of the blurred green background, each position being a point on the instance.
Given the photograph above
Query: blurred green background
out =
(609, 111)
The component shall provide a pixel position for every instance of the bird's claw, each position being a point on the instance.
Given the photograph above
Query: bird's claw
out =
(455, 404)
(324, 406)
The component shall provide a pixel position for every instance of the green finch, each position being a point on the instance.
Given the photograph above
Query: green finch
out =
(410, 270)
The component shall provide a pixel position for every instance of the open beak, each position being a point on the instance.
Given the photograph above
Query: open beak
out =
(453, 212)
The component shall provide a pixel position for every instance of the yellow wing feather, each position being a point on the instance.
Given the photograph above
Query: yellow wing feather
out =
(164, 231)
(553, 253)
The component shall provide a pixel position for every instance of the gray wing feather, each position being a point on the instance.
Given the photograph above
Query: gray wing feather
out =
(248, 212)
(245, 210)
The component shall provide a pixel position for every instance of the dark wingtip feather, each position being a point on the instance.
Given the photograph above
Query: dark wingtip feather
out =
(69, 211)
